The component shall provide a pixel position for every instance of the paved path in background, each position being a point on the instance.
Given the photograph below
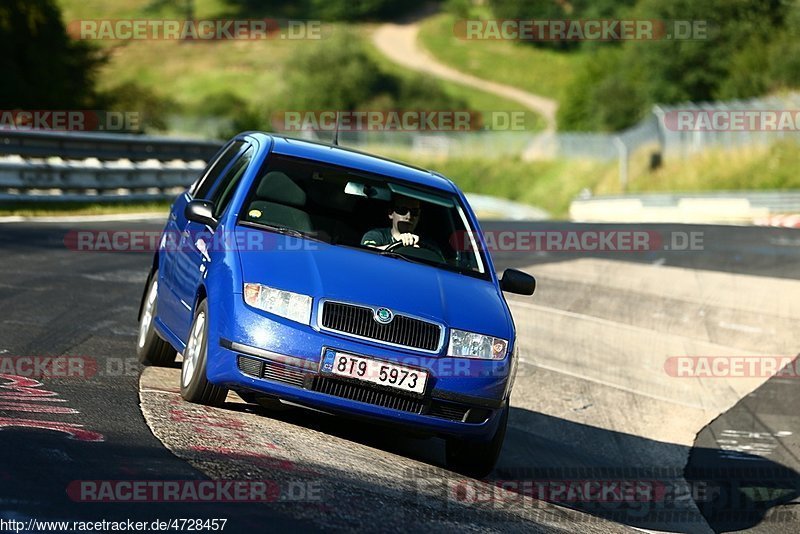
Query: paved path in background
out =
(398, 42)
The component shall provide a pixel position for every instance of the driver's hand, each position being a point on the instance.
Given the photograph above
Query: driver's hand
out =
(409, 240)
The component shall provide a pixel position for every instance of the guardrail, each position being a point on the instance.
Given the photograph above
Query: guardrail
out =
(69, 166)
(79, 145)
(727, 207)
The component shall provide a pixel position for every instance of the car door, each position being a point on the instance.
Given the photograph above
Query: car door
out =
(169, 306)
(194, 252)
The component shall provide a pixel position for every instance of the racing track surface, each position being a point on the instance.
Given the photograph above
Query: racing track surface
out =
(593, 400)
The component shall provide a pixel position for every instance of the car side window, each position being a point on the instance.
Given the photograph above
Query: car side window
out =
(205, 185)
(227, 185)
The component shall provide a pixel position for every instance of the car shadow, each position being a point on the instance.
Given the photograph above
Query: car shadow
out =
(646, 483)
(612, 475)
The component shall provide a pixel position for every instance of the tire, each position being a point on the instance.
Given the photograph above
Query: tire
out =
(151, 349)
(195, 386)
(476, 459)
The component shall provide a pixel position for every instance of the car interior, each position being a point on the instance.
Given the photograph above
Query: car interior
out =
(339, 206)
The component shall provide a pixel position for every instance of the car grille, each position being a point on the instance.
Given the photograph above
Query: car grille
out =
(357, 392)
(386, 399)
(359, 321)
(271, 371)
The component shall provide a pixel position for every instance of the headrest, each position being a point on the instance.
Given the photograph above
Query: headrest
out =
(275, 186)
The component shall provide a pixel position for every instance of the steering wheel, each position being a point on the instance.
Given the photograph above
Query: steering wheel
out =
(420, 245)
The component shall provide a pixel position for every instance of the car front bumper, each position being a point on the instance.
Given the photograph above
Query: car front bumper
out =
(261, 353)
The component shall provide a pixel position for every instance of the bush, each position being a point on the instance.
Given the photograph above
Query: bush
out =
(751, 48)
(42, 68)
(356, 82)
(151, 108)
(327, 10)
(559, 10)
(603, 96)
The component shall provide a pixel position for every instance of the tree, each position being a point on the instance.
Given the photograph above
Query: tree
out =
(42, 67)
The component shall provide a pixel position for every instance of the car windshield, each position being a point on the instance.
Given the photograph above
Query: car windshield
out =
(374, 213)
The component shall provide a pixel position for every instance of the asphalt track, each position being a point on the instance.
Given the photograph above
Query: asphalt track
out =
(591, 403)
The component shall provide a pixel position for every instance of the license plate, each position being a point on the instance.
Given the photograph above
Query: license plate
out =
(374, 371)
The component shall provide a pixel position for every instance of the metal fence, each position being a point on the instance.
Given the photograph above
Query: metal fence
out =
(658, 129)
(63, 166)
(682, 142)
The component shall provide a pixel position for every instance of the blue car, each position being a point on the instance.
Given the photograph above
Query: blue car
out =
(322, 277)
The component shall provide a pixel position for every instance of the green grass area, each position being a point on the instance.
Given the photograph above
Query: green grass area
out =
(44, 209)
(194, 76)
(772, 167)
(476, 100)
(540, 71)
(197, 76)
(552, 185)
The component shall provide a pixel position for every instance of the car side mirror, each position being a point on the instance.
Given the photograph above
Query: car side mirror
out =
(201, 211)
(515, 281)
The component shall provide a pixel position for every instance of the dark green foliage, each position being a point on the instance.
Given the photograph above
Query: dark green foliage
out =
(559, 10)
(751, 47)
(152, 109)
(327, 10)
(42, 68)
(342, 76)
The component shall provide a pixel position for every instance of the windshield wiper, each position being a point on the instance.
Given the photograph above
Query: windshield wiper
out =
(283, 230)
(393, 254)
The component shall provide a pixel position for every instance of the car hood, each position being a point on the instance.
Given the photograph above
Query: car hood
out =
(339, 273)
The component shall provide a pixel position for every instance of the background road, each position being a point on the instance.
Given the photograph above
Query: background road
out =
(592, 400)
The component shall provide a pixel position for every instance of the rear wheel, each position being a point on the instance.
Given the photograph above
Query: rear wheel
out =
(151, 349)
(195, 387)
(476, 459)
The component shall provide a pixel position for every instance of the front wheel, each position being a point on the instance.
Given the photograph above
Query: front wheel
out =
(195, 387)
(151, 349)
(476, 459)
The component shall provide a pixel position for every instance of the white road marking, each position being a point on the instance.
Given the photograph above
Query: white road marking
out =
(740, 327)
(601, 321)
(614, 386)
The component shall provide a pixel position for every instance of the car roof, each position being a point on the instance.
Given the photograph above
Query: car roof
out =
(345, 157)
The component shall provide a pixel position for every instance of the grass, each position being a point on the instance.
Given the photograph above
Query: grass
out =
(194, 75)
(775, 167)
(552, 185)
(540, 71)
(475, 99)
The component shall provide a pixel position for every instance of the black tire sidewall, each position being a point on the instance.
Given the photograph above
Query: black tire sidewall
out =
(154, 351)
(199, 389)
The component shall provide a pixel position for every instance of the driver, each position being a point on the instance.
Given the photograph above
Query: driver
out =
(404, 214)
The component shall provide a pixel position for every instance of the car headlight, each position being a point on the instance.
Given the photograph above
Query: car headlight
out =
(470, 345)
(293, 306)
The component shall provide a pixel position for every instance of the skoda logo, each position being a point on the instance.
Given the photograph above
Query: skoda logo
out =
(384, 315)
